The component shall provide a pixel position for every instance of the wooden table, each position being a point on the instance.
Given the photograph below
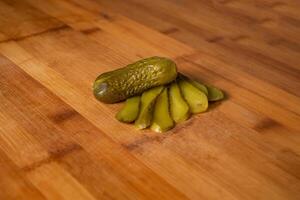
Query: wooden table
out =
(58, 142)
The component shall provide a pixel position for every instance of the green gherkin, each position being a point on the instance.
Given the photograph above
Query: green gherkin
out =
(135, 78)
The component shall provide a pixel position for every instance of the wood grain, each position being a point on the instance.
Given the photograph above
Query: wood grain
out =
(58, 142)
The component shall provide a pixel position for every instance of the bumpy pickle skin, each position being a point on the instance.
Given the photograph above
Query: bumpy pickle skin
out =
(132, 80)
(214, 94)
(162, 120)
(179, 109)
(147, 103)
(196, 99)
(130, 110)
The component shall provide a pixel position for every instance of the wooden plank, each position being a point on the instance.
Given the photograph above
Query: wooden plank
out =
(19, 20)
(133, 33)
(232, 49)
(268, 91)
(114, 174)
(56, 183)
(246, 147)
(238, 93)
(13, 137)
(13, 183)
(151, 148)
(115, 130)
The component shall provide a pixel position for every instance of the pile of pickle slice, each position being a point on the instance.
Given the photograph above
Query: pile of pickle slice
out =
(162, 107)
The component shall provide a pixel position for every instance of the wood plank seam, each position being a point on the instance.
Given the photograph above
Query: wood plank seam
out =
(54, 156)
(62, 27)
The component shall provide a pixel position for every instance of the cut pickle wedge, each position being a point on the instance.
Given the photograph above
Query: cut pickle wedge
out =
(196, 99)
(130, 110)
(214, 94)
(200, 86)
(162, 120)
(179, 108)
(146, 108)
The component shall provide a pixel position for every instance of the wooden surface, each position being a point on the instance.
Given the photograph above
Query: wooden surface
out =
(58, 142)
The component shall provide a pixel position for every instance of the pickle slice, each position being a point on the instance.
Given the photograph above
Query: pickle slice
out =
(214, 94)
(146, 109)
(130, 110)
(162, 120)
(196, 99)
(200, 86)
(179, 108)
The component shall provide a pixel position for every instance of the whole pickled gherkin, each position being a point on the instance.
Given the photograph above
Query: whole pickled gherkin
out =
(133, 79)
